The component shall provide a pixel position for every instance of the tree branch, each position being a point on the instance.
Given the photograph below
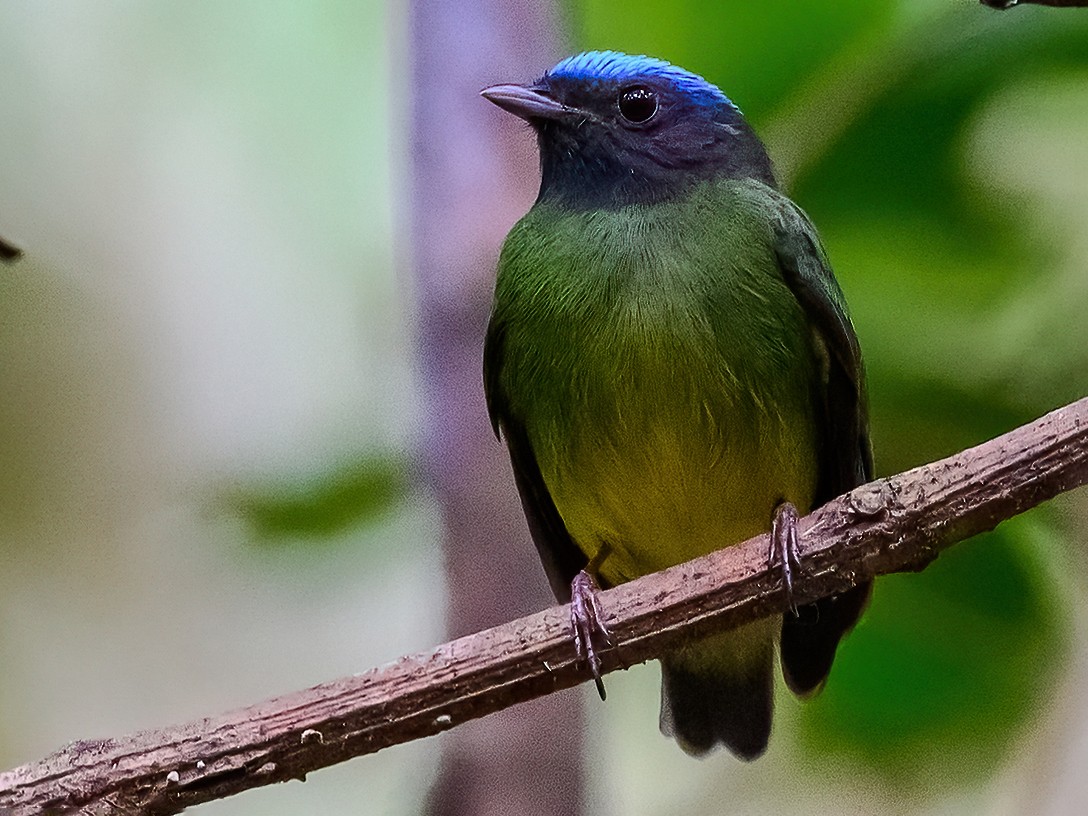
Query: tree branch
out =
(1002, 5)
(890, 525)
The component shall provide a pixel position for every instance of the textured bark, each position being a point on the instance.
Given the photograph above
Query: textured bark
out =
(475, 173)
(1002, 5)
(890, 525)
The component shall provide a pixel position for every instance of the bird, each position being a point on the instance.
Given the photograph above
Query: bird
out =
(671, 365)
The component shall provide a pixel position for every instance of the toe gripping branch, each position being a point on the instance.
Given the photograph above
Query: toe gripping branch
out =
(587, 621)
(785, 548)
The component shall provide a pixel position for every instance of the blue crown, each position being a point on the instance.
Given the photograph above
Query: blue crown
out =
(613, 66)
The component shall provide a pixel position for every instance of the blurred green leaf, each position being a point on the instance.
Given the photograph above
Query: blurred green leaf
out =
(321, 506)
(948, 663)
(757, 52)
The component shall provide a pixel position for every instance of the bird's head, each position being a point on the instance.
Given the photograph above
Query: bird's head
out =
(616, 129)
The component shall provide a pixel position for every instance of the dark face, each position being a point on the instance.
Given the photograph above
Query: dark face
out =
(637, 138)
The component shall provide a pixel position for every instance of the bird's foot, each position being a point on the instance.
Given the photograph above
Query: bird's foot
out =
(587, 620)
(785, 548)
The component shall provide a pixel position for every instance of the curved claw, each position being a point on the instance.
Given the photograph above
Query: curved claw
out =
(785, 548)
(587, 621)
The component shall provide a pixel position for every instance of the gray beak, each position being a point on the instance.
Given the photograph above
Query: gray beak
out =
(526, 102)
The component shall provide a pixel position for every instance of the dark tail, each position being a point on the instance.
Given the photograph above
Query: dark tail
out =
(711, 696)
(810, 639)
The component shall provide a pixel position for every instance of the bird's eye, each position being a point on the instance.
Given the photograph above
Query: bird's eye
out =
(638, 104)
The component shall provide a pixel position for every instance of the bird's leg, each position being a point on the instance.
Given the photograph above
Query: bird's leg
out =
(586, 617)
(785, 548)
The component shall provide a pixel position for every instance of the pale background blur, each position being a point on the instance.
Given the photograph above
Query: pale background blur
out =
(211, 299)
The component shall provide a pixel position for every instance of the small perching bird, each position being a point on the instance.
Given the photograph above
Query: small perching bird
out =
(672, 367)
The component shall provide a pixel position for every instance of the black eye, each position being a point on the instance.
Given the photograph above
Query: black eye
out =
(638, 104)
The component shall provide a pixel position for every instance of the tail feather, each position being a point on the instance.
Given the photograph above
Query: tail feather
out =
(810, 639)
(707, 702)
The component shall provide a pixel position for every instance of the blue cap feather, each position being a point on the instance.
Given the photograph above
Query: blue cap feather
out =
(613, 66)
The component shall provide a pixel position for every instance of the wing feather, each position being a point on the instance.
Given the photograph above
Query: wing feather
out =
(810, 639)
(559, 554)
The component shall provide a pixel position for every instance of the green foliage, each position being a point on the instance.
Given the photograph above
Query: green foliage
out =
(947, 664)
(734, 43)
(888, 125)
(315, 508)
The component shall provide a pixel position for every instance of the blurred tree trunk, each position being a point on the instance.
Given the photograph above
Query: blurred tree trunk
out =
(474, 175)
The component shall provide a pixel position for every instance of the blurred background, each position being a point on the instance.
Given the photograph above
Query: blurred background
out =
(242, 439)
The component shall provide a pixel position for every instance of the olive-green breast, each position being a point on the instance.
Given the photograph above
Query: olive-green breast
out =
(663, 371)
